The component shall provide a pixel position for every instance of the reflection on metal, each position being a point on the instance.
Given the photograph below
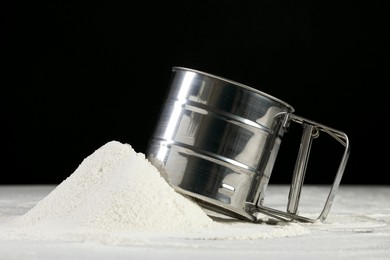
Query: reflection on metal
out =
(217, 141)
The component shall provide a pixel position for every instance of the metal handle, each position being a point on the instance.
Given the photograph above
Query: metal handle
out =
(311, 130)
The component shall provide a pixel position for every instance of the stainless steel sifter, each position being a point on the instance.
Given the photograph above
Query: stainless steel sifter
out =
(217, 140)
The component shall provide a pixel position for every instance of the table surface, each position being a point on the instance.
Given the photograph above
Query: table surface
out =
(357, 227)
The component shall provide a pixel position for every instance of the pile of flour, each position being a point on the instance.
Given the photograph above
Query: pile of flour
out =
(116, 196)
(117, 189)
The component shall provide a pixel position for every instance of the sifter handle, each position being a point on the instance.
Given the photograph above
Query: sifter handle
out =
(311, 130)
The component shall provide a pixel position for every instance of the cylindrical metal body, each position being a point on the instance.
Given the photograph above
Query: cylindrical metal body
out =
(216, 140)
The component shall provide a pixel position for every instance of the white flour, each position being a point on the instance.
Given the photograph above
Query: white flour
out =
(116, 196)
(117, 189)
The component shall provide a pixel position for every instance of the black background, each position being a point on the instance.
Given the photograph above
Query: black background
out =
(75, 76)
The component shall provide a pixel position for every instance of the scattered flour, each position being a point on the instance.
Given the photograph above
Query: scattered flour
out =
(116, 196)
